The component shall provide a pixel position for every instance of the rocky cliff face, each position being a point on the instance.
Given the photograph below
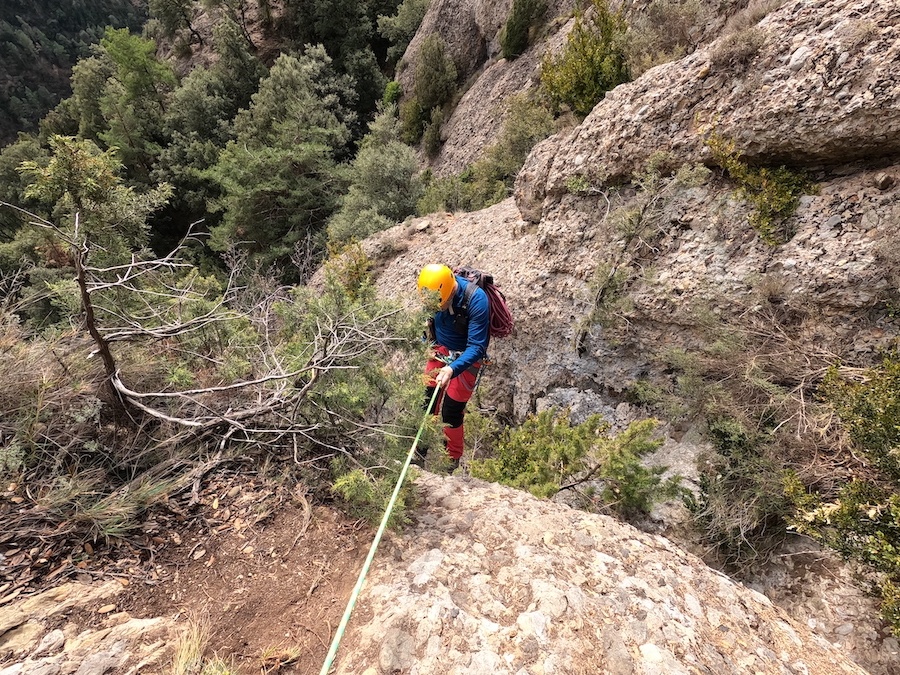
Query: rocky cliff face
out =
(821, 92)
(491, 581)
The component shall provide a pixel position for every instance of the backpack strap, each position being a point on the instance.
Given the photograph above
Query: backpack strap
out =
(461, 317)
(467, 295)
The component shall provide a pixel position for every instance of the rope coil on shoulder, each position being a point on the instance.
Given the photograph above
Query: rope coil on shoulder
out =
(342, 626)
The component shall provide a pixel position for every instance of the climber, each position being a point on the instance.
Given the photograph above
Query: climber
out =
(459, 337)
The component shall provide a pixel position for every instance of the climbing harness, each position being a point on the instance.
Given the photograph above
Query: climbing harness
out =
(477, 368)
(342, 626)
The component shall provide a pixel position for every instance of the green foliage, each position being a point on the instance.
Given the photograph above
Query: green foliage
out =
(541, 454)
(591, 63)
(79, 178)
(279, 178)
(740, 383)
(367, 497)
(433, 86)
(665, 31)
(490, 179)
(412, 121)
(742, 508)
(515, 33)
(431, 136)
(197, 122)
(13, 184)
(546, 451)
(132, 101)
(173, 15)
(89, 78)
(346, 31)
(39, 42)
(392, 93)
(774, 193)
(383, 183)
(735, 51)
(400, 28)
(862, 523)
(870, 411)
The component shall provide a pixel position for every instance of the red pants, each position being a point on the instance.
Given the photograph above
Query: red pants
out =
(451, 402)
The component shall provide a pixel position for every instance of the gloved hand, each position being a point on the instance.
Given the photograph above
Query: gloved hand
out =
(442, 379)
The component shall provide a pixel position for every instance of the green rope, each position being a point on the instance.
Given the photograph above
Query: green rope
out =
(342, 626)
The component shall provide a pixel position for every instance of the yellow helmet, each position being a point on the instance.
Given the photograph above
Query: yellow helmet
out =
(437, 279)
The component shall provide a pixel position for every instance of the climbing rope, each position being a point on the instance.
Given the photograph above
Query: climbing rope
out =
(342, 626)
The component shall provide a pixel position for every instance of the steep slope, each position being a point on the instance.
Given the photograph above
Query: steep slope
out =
(491, 580)
(819, 89)
(820, 93)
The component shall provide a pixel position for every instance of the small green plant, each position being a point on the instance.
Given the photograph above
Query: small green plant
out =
(515, 33)
(541, 454)
(367, 495)
(218, 666)
(741, 508)
(870, 411)
(666, 30)
(861, 523)
(735, 51)
(189, 647)
(774, 193)
(862, 520)
(630, 488)
(591, 63)
(392, 93)
(578, 184)
(490, 179)
(431, 137)
(412, 120)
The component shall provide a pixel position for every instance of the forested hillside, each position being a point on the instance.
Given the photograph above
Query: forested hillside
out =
(40, 41)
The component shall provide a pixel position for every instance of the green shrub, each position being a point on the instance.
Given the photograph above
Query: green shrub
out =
(384, 187)
(870, 411)
(431, 137)
(774, 193)
(862, 523)
(367, 497)
(412, 121)
(392, 93)
(547, 453)
(490, 179)
(741, 508)
(541, 454)
(666, 30)
(435, 79)
(433, 86)
(400, 28)
(735, 51)
(514, 35)
(591, 63)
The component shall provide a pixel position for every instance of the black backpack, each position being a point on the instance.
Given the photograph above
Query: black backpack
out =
(501, 321)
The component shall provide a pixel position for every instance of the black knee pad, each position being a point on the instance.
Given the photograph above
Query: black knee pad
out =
(452, 411)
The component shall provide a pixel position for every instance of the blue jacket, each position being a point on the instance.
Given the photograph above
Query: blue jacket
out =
(474, 345)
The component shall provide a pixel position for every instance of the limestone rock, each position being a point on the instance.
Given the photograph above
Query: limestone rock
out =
(822, 90)
(535, 587)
